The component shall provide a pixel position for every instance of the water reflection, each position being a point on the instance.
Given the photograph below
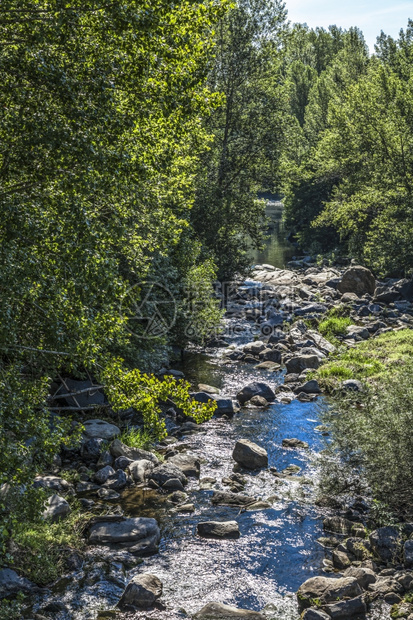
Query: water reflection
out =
(277, 251)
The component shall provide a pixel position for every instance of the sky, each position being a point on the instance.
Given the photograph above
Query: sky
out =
(371, 16)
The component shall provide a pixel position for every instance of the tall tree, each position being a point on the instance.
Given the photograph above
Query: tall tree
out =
(100, 128)
(246, 129)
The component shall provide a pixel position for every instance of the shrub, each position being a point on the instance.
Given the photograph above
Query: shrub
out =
(373, 433)
(137, 438)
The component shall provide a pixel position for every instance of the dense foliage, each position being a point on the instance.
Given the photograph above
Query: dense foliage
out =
(101, 111)
(350, 183)
(247, 132)
(375, 443)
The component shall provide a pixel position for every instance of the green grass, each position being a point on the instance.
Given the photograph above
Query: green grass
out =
(370, 360)
(40, 547)
(11, 610)
(334, 326)
(137, 438)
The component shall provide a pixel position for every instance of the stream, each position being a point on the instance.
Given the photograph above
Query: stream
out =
(277, 549)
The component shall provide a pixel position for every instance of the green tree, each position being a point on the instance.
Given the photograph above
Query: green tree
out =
(101, 112)
(247, 132)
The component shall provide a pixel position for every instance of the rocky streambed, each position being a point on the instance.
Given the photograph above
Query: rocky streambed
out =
(225, 517)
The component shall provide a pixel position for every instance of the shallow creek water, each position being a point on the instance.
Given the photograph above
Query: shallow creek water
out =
(277, 549)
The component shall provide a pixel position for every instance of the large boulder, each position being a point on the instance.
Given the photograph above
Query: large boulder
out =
(338, 525)
(56, 508)
(225, 405)
(386, 543)
(167, 471)
(358, 280)
(341, 610)
(11, 584)
(219, 611)
(227, 498)
(327, 590)
(255, 389)
(91, 449)
(116, 481)
(117, 448)
(103, 474)
(141, 592)
(54, 483)
(249, 455)
(255, 348)
(188, 464)
(99, 429)
(218, 529)
(298, 363)
(140, 470)
(365, 576)
(140, 535)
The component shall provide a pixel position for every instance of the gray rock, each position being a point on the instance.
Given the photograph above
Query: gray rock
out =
(117, 448)
(255, 389)
(338, 525)
(314, 614)
(249, 455)
(123, 462)
(103, 474)
(11, 584)
(270, 355)
(209, 389)
(364, 576)
(294, 443)
(56, 508)
(358, 280)
(341, 559)
(188, 464)
(167, 471)
(254, 348)
(91, 449)
(226, 498)
(386, 294)
(108, 495)
(386, 543)
(141, 592)
(327, 590)
(386, 585)
(99, 429)
(352, 385)
(219, 611)
(140, 470)
(258, 401)
(140, 534)
(105, 459)
(297, 364)
(173, 484)
(225, 405)
(54, 483)
(116, 481)
(357, 332)
(408, 553)
(342, 610)
(217, 529)
(310, 387)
